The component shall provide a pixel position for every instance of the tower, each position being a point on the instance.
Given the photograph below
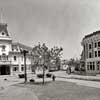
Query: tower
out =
(3, 26)
(3, 29)
(5, 39)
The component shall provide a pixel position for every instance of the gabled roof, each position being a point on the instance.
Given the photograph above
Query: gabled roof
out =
(21, 46)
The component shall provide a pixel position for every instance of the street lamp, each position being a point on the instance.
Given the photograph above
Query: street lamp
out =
(24, 52)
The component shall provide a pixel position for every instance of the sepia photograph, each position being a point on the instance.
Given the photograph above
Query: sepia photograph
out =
(49, 50)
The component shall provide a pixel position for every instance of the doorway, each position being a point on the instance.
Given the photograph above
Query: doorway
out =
(4, 70)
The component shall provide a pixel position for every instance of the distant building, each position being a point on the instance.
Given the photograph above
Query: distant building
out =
(90, 58)
(11, 59)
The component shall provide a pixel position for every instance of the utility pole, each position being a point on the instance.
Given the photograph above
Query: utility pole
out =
(44, 59)
(24, 52)
(43, 73)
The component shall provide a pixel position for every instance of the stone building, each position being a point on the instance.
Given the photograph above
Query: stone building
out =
(90, 58)
(11, 59)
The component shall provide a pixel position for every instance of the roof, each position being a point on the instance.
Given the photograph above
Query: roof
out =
(94, 33)
(21, 45)
(18, 53)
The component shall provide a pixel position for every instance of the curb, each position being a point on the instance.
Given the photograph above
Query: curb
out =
(78, 78)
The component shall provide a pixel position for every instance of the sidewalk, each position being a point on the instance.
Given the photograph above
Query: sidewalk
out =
(63, 74)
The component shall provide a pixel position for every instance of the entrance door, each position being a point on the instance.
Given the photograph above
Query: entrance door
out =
(4, 70)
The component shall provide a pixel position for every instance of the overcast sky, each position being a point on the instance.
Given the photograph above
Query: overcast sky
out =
(54, 22)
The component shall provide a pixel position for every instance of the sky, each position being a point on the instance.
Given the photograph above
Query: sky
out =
(54, 22)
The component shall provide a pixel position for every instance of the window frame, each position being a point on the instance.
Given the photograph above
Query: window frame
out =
(99, 44)
(95, 53)
(90, 46)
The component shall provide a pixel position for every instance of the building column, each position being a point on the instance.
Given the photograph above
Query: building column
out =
(19, 67)
(92, 50)
(19, 63)
(11, 70)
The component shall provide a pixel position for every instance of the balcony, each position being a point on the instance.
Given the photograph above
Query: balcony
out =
(5, 62)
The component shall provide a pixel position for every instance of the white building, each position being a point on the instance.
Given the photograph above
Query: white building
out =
(90, 58)
(11, 59)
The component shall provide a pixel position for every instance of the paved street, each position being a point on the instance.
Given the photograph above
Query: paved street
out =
(63, 91)
(20, 93)
(81, 82)
(17, 93)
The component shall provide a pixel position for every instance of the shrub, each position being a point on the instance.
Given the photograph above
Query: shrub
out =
(21, 76)
(48, 75)
(32, 80)
(5, 79)
(40, 75)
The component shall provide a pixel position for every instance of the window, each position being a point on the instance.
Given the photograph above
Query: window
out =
(7, 57)
(98, 44)
(15, 68)
(22, 68)
(90, 55)
(95, 53)
(14, 58)
(3, 47)
(98, 53)
(91, 66)
(90, 46)
(95, 44)
(4, 57)
(98, 64)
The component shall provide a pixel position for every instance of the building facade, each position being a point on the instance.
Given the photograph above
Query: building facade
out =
(90, 58)
(11, 58)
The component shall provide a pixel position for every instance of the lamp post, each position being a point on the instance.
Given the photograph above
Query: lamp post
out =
(24, 52)
(43, 73)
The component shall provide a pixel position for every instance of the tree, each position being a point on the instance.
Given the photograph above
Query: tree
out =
(71, 62)
(55, 54)
(75, 63)
(42, 54)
